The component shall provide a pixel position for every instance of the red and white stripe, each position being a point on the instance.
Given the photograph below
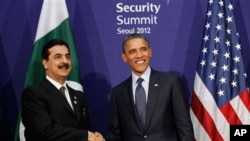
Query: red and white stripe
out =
(212, 123)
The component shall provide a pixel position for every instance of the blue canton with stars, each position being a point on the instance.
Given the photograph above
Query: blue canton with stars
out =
(220, 65)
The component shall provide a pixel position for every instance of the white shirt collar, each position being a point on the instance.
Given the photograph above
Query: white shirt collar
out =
(56, 84)
(145, 76)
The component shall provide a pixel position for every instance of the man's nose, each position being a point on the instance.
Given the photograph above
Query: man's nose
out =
(65, 59)
(139, 54)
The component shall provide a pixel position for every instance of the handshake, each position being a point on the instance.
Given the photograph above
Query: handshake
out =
(96, 136)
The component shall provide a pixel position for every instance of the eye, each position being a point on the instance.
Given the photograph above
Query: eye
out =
(67, 56)
(58, 56)
(132, 51)
(144, 48)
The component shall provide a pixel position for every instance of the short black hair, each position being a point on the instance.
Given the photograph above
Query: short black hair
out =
(50, 44)
(133, 36)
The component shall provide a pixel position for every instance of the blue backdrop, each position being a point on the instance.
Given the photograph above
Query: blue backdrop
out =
(174, 28)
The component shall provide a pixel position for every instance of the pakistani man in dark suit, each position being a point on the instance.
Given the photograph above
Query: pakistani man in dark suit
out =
(149, 105)
(51, 110)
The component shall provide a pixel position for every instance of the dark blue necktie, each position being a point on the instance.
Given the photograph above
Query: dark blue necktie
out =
(62, 89)
(140, 99)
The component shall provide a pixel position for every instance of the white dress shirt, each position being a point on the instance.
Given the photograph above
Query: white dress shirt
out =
(58, 86)
(145, 83)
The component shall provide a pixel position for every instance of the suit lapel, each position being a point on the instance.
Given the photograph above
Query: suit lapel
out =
(75, 102)
(53, 90)
(153, 94)
(129, 101)
(66, 104)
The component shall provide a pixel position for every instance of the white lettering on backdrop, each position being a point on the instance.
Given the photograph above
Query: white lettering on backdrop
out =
(136, 18)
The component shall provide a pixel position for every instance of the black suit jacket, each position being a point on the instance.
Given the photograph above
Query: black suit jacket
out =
(167, 115)
(47, 116)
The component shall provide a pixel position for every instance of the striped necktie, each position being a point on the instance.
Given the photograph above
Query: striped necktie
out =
(62, 89)
(140, 99)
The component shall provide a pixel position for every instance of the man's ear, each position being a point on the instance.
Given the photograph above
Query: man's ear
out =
(124, 57)
(45, 65)
(150, 52)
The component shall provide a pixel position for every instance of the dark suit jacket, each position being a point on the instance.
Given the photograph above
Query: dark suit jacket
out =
(167, 117)
(47, 116)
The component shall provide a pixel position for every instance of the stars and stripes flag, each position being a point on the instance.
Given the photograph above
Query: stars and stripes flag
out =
(220, 97)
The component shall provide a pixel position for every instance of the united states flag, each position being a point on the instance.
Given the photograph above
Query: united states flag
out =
(220, 97)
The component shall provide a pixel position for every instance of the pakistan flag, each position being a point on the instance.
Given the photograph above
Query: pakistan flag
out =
(53, 23)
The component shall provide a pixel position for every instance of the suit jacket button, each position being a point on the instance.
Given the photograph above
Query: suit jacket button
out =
(145, 136)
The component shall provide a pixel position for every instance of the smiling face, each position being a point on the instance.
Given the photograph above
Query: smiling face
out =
(137, 54)
(58, 64)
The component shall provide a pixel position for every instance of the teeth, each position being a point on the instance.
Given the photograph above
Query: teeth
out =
(140, 62)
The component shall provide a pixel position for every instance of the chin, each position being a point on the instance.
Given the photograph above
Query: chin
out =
(141, 69)
(64, 74)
